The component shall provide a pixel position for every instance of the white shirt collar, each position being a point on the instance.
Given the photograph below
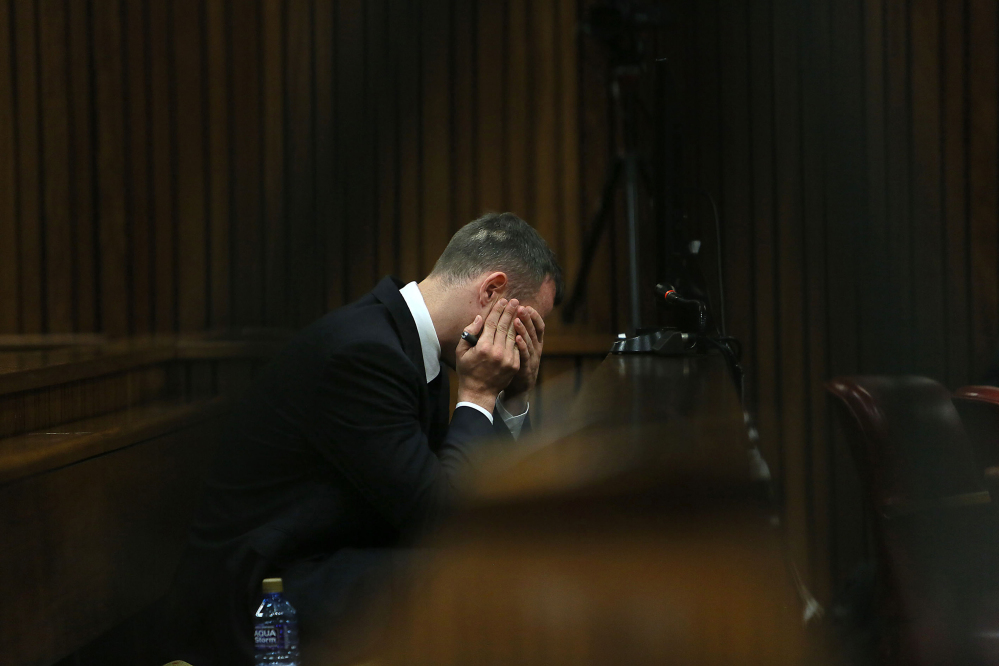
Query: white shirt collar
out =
(425, 326)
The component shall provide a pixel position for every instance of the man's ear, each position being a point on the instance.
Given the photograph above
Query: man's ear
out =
(492, 288)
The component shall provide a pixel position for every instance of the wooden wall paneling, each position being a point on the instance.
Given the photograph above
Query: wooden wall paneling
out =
(983, 233)
(305, 295)
(58, 250)
(329, 209)
(815, 52)
(707, 125)
(793, 388)
(162, 168)
(762, 357)
(570, 213)
(272, 131)
(519, 106)
(28, 150)
(112, 222)
(354, 141)
(10, 297)
(323, 91)
(384, 75)
(545, 122)
(491, 56)
(218, 183)
(596, 158)
(927, 229)
(435, 59)
(897, 172)
(955, 199)
(845, 212)
(735, 194)
(367, 194)
(137, 173)
(246, 149)
(875, 303)
(81, 169)
(463, 114)
(190, 135)
(380, 193)
(405, 35)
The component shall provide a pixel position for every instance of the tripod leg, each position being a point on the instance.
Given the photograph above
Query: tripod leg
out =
(592, 242)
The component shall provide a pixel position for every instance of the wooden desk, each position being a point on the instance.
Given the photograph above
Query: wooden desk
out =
(628, 530)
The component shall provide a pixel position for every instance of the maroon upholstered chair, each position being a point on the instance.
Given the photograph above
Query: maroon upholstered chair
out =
(928, 506)
(979, 409)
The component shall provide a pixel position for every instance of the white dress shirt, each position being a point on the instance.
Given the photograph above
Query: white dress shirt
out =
(431, 347)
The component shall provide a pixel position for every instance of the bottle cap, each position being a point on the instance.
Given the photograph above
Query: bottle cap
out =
(272, 585)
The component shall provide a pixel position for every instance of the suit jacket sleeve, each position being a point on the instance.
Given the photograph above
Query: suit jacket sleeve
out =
(369, 429)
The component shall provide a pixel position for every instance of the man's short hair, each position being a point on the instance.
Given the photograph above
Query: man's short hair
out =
(501, 242)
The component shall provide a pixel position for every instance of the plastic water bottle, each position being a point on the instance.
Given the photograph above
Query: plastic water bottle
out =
(275, 631)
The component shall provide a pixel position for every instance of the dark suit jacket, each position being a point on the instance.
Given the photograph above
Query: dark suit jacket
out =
(341, 444)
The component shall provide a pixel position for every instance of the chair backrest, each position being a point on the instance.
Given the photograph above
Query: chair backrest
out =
(979, 409)
(908, 441)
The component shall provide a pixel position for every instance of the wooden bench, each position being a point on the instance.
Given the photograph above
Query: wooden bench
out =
(103, 446)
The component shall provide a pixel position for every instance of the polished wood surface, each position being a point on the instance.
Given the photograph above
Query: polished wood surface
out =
(626, 530)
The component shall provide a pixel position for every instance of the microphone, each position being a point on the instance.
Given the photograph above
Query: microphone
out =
(668, 293)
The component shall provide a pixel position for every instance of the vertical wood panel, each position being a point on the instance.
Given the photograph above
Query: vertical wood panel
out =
(55, 159)
(464, 114)
(217, 23)
(765, 351)
(845, 193)
(304, 267)
(272, 130)
(328, 201)
(108, 54)
(792, 388)
(815, 46)
(245, 110)
(190, 134)
(9, 255)
(384, 75)
(31, 279)
(139, 211)
(406, 36)
(570, 215)
(544, 121)
(954, 204)
(81, 165)
(983, 234)
(353, 138)
(492, 53)
(162, 168)
(928, 267)
(436, 131)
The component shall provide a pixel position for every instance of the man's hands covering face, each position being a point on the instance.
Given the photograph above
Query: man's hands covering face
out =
(530, 328)
(487, 368)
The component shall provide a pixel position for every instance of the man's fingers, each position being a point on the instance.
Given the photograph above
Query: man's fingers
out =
(472, 328)
(528, 321)
(505, 324)
(523, 331)
(522, 346)
(492, 320)
(539, 324)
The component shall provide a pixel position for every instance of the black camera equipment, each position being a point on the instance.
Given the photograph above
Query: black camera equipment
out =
(620, 27)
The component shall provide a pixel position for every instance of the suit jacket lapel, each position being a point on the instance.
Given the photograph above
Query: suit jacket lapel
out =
(387, 292)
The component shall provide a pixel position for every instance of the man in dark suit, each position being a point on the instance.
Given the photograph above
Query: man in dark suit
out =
(342, 453)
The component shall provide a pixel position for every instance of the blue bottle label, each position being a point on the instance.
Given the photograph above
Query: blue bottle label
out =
(272, 637)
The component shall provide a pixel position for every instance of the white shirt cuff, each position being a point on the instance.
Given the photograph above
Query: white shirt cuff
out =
(478, 407)
(514, 422)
